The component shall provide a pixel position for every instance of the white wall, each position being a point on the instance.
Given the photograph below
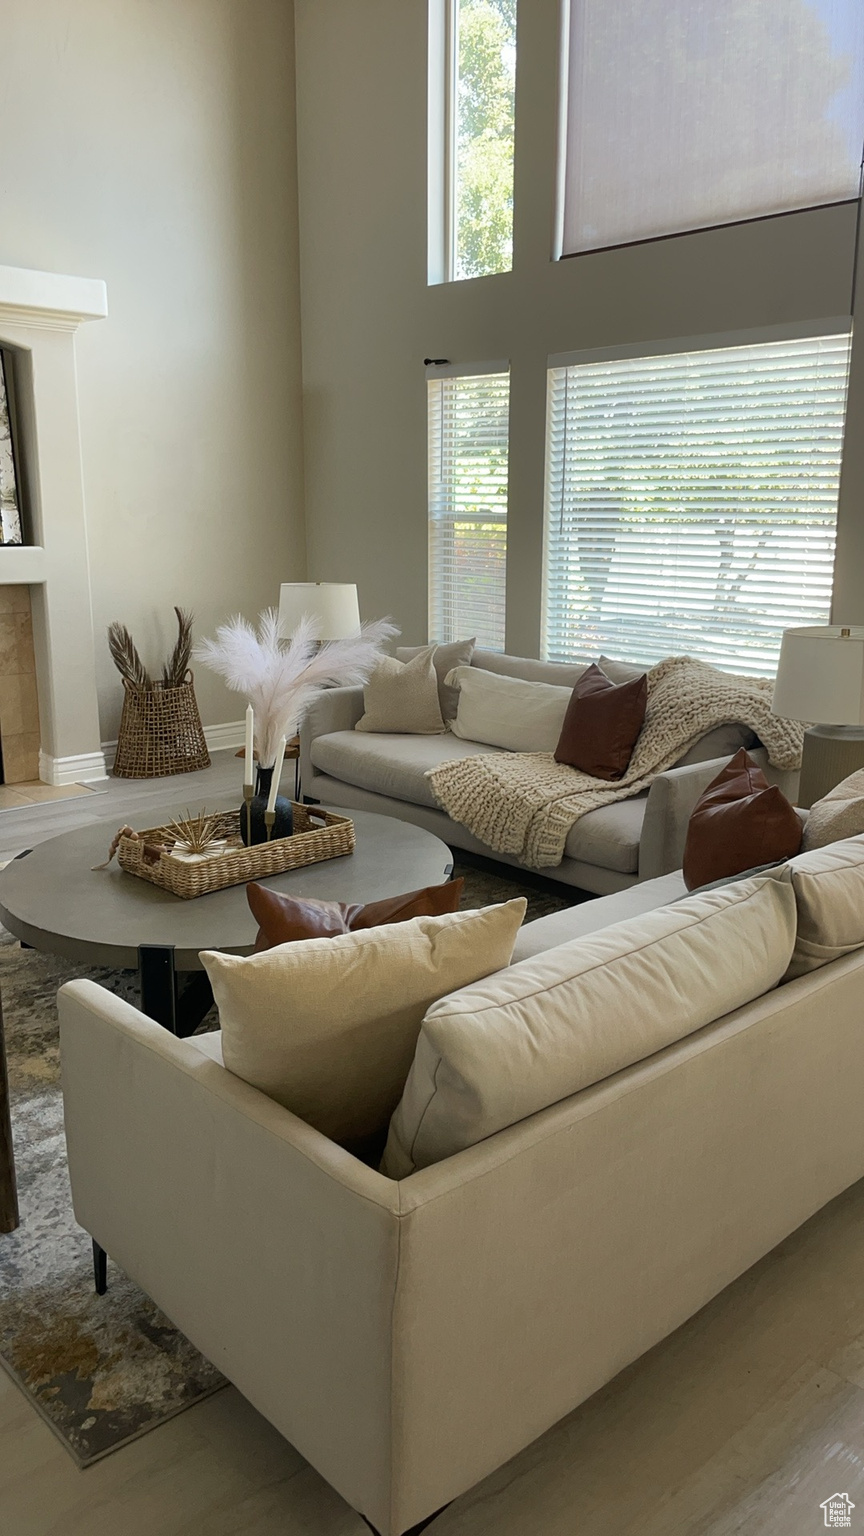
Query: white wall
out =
(151, 143)
(369, 318)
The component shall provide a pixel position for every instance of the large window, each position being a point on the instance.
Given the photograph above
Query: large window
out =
(687, 113)
(472, 81)
(692, 500)
(468, 436)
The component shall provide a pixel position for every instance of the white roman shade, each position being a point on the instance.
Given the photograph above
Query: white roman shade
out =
(468, 459)
(691, 501)
(682, 114)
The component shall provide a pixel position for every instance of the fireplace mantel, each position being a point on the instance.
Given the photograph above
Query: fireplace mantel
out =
(39, 314)
(50, 300)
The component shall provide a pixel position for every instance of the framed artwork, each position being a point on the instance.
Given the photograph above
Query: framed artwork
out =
(10, 504)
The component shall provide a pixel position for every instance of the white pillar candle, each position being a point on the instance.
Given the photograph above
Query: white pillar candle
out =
(277, 774)
(249, 753)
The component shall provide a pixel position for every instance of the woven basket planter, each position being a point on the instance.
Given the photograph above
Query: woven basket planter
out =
(160, 732)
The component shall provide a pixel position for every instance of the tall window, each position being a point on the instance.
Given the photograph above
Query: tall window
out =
(692, 501)
(468, 437)
(682, 114)
(472, 82)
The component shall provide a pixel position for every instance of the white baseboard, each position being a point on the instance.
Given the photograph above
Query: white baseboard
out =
(83, 769)
(219, 738)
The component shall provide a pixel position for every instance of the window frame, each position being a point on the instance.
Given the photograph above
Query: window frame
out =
(442, 142)
(500, 367)
(764, 335)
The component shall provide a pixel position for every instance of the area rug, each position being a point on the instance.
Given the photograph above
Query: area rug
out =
(101, 1370)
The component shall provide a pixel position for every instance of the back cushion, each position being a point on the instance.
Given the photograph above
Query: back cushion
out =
(829, 890)
(507, 712)
(506, 1047)
(562, 673)
(723, 741)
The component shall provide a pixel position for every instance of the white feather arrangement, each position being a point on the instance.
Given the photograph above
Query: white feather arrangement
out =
(281, 678)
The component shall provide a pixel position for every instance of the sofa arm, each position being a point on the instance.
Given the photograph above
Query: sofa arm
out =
(336, 709)
(272, 1249)
(671, 801)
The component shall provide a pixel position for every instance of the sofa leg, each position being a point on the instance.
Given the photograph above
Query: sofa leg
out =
(100, 1269)
(415, 1529)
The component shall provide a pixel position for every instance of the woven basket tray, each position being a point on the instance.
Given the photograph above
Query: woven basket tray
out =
(318, 835)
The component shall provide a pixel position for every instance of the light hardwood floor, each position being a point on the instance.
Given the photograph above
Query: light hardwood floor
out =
(740, 1424)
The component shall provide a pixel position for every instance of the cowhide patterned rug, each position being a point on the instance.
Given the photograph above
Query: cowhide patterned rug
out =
(100, 1370)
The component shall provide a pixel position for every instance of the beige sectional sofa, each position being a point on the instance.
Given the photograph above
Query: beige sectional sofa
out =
(607, 850)
(408, 1337)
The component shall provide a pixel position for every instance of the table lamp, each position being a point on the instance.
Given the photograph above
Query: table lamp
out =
(820, 679)
(333, 603)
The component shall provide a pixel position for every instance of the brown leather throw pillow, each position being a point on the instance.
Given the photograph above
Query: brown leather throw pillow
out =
(282, 919)
(740, 822)
(602, 724)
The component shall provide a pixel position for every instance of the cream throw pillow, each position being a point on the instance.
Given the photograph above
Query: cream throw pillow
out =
(829, 889)
(402, 696)
(457, 653)
(838, 814)
(507, 711)
(328, 1027)
(509, 1046)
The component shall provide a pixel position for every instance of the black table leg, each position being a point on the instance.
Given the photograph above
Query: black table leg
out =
(193, 1003)
(415, 1529)
(180, 1011)
(158, 984)
(8, 1188)
(100, 1269)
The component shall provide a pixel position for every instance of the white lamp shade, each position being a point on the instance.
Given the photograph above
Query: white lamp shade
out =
(820, 675)
(333, 603)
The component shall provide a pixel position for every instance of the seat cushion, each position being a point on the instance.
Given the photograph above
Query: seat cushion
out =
(209, 1045)
(609, 836)
(390, 765)
(590, 916)
(504, 1048)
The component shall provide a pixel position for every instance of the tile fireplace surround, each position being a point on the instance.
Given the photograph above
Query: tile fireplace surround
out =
(49, 578)
(19, 702)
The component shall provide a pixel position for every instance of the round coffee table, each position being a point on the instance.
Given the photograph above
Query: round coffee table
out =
(52, 899)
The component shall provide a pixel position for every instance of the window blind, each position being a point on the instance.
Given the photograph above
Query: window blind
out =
(682, 114)
(468, 444)
(691, 501)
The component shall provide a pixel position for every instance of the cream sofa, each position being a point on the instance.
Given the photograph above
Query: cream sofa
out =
(607, 850)
(409, 1337)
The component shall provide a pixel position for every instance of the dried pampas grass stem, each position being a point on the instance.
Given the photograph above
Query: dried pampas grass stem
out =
(176, 667)
(280, 678)
(126, 658)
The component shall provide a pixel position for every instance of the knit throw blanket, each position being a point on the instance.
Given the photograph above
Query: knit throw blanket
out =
(524, 803)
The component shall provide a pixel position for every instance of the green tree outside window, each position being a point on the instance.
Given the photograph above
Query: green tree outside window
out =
(485, 104)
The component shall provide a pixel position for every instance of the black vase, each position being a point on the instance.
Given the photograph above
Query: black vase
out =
(253, 822)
